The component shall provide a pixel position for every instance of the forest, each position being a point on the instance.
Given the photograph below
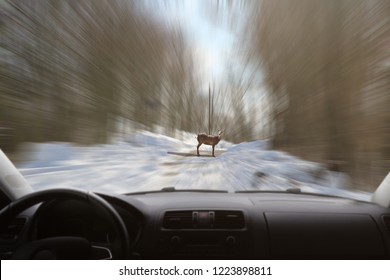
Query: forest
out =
(312, 76)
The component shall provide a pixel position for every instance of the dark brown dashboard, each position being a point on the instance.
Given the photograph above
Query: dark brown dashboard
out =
(260, 226)
(196, 225)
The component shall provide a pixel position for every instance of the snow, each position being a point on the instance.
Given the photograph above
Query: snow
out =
(145, 161)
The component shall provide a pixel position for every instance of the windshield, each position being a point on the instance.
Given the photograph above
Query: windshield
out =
(134, 96)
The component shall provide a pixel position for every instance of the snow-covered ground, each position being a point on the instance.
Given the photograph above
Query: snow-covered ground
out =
(147, 161)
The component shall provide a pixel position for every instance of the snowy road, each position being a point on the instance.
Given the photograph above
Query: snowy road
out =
(147, 161)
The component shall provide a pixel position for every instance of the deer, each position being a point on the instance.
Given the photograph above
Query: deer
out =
(210, 140)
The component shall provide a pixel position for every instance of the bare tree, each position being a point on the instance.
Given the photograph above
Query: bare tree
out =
(321, 63)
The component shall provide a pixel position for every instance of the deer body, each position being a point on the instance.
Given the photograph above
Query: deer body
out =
(211, 140)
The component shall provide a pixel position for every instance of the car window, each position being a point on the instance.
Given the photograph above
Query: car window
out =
(236, 96)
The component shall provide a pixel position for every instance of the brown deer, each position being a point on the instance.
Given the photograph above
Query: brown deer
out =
(211, 140)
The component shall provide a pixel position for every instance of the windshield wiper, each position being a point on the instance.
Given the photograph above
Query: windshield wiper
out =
(297, 191)
(173, 189)
(290, 190)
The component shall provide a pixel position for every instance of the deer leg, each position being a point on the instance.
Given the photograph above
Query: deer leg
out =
(197, 148)
(213, 150)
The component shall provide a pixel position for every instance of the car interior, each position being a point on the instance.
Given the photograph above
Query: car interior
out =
(189, 224)
(195, 130)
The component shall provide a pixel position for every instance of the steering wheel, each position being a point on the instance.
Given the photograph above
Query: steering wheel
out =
(67, 247)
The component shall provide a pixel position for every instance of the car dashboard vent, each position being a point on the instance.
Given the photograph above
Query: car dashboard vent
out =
(204, 219)
(14, 229)
(178, 220)
(229, 219)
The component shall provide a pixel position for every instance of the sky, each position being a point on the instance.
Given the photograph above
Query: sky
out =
(212, 42)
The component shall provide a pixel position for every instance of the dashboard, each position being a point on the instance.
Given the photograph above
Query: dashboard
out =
(197, 225)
